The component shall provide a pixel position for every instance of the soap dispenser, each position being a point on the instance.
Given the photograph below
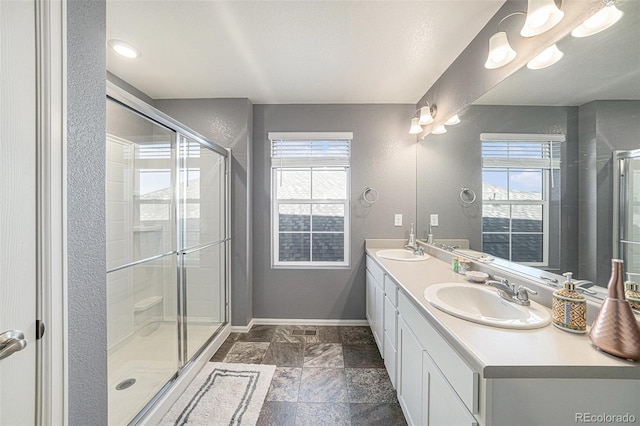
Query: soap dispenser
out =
(569, 308)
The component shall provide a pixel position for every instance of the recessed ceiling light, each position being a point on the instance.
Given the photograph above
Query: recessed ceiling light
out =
(123, 49)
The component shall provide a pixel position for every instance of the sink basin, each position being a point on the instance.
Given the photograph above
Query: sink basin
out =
(402, 255)
(482, 304)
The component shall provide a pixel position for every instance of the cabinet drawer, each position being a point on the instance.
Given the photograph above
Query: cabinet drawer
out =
(391, 290)
(376, 271)
(459, 375)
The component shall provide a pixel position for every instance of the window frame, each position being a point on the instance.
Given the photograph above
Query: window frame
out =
(300, 164)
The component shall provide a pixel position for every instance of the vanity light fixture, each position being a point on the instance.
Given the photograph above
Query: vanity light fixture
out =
(603, 19)
(500, 51)
(439, 130)
(546, 58)
(427, 114)
(415, 127)
(452, 121)
(124, 49)
(542, 15)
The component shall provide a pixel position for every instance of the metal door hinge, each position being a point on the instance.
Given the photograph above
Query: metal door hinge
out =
(39, 329)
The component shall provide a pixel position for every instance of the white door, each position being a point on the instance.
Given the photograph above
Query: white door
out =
(17, 212)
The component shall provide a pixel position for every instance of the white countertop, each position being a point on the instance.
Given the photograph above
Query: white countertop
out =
(546, 352)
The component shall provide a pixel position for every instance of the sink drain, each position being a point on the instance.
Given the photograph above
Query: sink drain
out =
(125, 384)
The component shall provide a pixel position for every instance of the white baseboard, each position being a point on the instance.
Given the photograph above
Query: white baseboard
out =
(318, 322)
(162, 406)
(242, 328)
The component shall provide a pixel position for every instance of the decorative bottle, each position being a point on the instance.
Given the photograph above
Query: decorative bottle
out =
(615, 329)
(569, 308)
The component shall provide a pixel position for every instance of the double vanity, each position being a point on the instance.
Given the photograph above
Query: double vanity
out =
(459, 354)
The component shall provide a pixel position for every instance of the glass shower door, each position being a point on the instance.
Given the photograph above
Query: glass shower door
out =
(142, 329)
(202, 214)
(627, 211)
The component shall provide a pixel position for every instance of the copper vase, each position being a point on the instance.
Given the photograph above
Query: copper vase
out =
(615, 329)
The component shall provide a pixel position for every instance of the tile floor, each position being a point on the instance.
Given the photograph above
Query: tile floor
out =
(336, 377)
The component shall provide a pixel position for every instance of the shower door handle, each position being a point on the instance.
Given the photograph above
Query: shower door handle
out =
(11, 342)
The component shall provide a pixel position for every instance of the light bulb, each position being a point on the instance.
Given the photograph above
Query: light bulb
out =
(453, 120)
(546, 58)
(603, 19)
(425, 116)
(500, 51)
(439, 130)
(542, 15)
(415, 127)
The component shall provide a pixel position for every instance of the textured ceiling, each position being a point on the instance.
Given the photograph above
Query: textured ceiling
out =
(292, 51)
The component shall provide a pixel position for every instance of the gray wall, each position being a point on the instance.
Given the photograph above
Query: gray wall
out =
(383, 157)
(228, 122)
(448, 162)
(605, 126)
(86, 239)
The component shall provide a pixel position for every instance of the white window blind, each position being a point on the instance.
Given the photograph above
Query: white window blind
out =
(310, 149)
(503, 150)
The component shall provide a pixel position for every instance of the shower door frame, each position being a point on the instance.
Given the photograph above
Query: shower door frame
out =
(140, 107)
(620, 200)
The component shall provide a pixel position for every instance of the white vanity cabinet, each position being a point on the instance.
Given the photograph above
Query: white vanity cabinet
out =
(435, 386)
(494, 377)
(375, 301)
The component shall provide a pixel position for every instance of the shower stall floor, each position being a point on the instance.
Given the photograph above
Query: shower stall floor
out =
(151, 360)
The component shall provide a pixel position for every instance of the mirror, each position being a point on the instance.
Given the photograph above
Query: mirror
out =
(547, 204)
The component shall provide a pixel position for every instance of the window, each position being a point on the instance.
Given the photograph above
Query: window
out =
(310, 199)
(520, 177)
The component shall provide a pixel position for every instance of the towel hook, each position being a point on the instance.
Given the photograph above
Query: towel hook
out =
(370, 195)
(465, 190)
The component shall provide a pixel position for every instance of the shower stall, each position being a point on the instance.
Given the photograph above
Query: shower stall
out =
(626, 211)
(167, 225)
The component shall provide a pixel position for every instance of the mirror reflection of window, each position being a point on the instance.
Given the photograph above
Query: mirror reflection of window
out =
(519, 174)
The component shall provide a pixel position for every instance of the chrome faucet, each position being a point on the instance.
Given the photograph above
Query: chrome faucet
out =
(417, 250)
(583, 286)
(448, 248)
(413, 245)
(510, 293)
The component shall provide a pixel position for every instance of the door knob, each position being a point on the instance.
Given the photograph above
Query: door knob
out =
(10, 342)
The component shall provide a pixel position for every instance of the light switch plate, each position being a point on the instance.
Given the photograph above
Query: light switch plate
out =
(434, 220)
(397, 221)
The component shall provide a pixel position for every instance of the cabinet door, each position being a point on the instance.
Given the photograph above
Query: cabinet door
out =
(370, 298)
(444, 407)
(378, 322)
(390, 332)
(409, 369)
